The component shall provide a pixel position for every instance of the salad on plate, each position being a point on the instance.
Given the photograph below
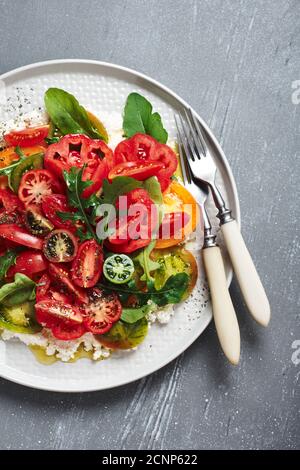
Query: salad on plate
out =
(92, 234)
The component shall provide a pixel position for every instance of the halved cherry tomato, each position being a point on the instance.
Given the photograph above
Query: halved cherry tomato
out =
(101, 312)
(45, 292)
(138, 170)
(20, 236)
(139, 222)
(88, 264)
(79, 150)
(177, 198)
(61, 278)
(60, 246)
(36, 223)
(57, 203)
(144, 148)
(64, 320)
(173, 222)
(35, 185)
(27, 137)
(127, 247)
(29, 262)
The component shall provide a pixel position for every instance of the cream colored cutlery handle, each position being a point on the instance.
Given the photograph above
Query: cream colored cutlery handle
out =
(223, 311)
(250, 283)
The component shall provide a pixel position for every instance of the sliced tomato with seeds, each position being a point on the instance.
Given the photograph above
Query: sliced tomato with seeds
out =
(44, 291)
(9, 201)
(60, 246)
(53, 204)
(27, 137)
(80, 151)
(101, 312)
(62, 281)
(64, 320)
(88, 264)
(35, 185)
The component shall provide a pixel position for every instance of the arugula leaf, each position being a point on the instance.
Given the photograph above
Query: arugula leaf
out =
(68, 115)
(171, 293)
(51, 140)
(132, 315)
(138, 118)
(76, 186)
(17, 292)
(6, 261)
(147, 263)
(118, 187)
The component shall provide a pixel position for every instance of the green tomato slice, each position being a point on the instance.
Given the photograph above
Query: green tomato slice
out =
(118, 268)
(124, 335)
(19, 318)
(29, 163)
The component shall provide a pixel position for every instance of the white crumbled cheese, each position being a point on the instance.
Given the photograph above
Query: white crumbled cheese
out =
(162, 315)
(63, 350)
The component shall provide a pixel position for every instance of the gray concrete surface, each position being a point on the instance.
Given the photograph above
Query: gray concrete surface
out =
(235, 62)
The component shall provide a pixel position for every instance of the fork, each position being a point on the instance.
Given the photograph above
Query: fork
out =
(203, 169)
(223, 311)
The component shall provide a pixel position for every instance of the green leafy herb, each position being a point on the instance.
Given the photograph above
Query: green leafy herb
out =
(171, 293)
(6, 261)
(76, 186)
(152, 186)
(52, 140)
(138, 118)
(147, 263)
(132, 315)
(119, 186)
(17, 292)
(68, 115)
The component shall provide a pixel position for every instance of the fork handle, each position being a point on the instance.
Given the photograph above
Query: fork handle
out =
(223, 311)
(250, 283)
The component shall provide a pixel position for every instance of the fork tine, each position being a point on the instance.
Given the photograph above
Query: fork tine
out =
(183, 162)
(198, 130)
(190, 150)
(191, 123)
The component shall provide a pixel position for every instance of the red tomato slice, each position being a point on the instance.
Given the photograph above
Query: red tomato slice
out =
(128, 247)
(10, 201)
(64, 320)
(20, 236)
(88, 264)
(79, 150)
(61, 278)
(140, 221)
(144, 148)
(102, 311)
(27, 137)
(45, 292)
(138, 170)
(35, 185)
(173, 222)
(29, 262)
(57, 203)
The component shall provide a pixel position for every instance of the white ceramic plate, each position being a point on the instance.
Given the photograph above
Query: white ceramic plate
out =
(103, 88)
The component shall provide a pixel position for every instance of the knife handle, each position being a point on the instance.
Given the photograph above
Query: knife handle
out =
(243, 266)
(223, 311)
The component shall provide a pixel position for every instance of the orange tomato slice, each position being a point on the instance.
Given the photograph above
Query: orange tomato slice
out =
(178, 198)
(8, 156)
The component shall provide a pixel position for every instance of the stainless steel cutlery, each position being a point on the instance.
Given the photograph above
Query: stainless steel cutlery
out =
(199, 172)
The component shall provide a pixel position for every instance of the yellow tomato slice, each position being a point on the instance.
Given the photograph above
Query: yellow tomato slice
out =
(178, 198)
(98, 125)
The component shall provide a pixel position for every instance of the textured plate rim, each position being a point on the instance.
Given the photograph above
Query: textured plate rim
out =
(28, 382)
